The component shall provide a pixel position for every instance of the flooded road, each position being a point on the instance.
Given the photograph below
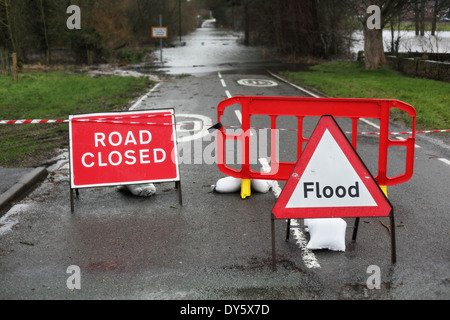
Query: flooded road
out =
(217, 246)
(211, 50)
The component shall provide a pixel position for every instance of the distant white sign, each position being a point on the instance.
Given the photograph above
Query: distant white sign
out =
(159, 32)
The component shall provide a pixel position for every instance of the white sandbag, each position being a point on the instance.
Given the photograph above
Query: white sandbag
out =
(228, 185)
(326, 233)
(262, 186)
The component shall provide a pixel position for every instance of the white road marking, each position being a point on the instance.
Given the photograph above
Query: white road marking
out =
(238, 115)
(401, 138)
(134, 106)
(203, 124)
(370, 123)
(444, 161)
(223, 83)
(294, 85)
(308, 257)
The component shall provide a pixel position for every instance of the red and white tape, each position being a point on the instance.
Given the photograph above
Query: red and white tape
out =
(32, 121)
(108, 120)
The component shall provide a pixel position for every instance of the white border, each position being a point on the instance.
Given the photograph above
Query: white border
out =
(109, 114)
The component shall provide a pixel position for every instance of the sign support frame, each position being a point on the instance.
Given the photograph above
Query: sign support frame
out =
(356, 224)
(355, 231)
(177, 182)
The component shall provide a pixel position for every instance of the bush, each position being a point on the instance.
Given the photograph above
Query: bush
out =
(87, 45)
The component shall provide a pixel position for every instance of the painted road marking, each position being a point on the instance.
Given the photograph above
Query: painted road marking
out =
(134, 106)
(402, 139)
(294, 85)
(370, 123)
(238, 115)
(203, 122)
(308, 257)
(257, 83)
(444, 161)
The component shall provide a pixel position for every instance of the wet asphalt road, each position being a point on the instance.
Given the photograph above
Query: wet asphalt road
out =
(218, 246)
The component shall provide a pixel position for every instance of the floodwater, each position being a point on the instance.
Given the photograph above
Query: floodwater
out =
(209, 49)
(409, 42)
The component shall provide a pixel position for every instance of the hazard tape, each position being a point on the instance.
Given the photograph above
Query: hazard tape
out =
(31, 121)
(211, 127)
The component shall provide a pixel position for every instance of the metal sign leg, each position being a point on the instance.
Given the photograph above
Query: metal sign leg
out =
(274, 267)
(288, 229)
(393, 242)
(72, 209)
(355, 229)
(178, 186)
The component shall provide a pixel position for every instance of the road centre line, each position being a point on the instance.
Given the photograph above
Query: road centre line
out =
(223, 83)
(308, 257)
(238, 115)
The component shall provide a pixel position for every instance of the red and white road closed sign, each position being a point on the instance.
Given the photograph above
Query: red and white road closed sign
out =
(330, 180)
(108, 149)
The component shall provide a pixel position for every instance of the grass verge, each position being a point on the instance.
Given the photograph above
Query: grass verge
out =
(54, 95)
(430, 98)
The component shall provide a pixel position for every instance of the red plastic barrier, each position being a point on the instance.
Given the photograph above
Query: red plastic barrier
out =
(314, 107)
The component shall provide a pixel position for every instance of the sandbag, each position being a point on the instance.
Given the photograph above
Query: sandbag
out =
(228, 185)
(326, 233)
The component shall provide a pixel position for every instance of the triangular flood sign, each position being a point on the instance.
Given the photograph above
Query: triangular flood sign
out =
(330, 180)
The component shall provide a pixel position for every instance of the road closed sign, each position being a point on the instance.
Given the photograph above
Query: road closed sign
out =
(122, 148)
(330, 180)
(159, 32)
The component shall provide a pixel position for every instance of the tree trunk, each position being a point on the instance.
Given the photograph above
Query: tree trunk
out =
(435, 13)
(416, 16)
(422, 17)
(374, 56)
(246, 25)
(44, 26)
(9, 26)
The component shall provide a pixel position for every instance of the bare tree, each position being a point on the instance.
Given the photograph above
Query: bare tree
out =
(373, 37)
(439, 5)
(8, 23)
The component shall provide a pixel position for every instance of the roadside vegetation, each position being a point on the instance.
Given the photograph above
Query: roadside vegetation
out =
(55, 96)
(430, 98)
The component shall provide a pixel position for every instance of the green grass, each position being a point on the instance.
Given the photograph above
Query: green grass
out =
(54, 95)
(410, 26)
(430, 98)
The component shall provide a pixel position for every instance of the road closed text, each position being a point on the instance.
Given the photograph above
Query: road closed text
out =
(123, 148)
(128, 157)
